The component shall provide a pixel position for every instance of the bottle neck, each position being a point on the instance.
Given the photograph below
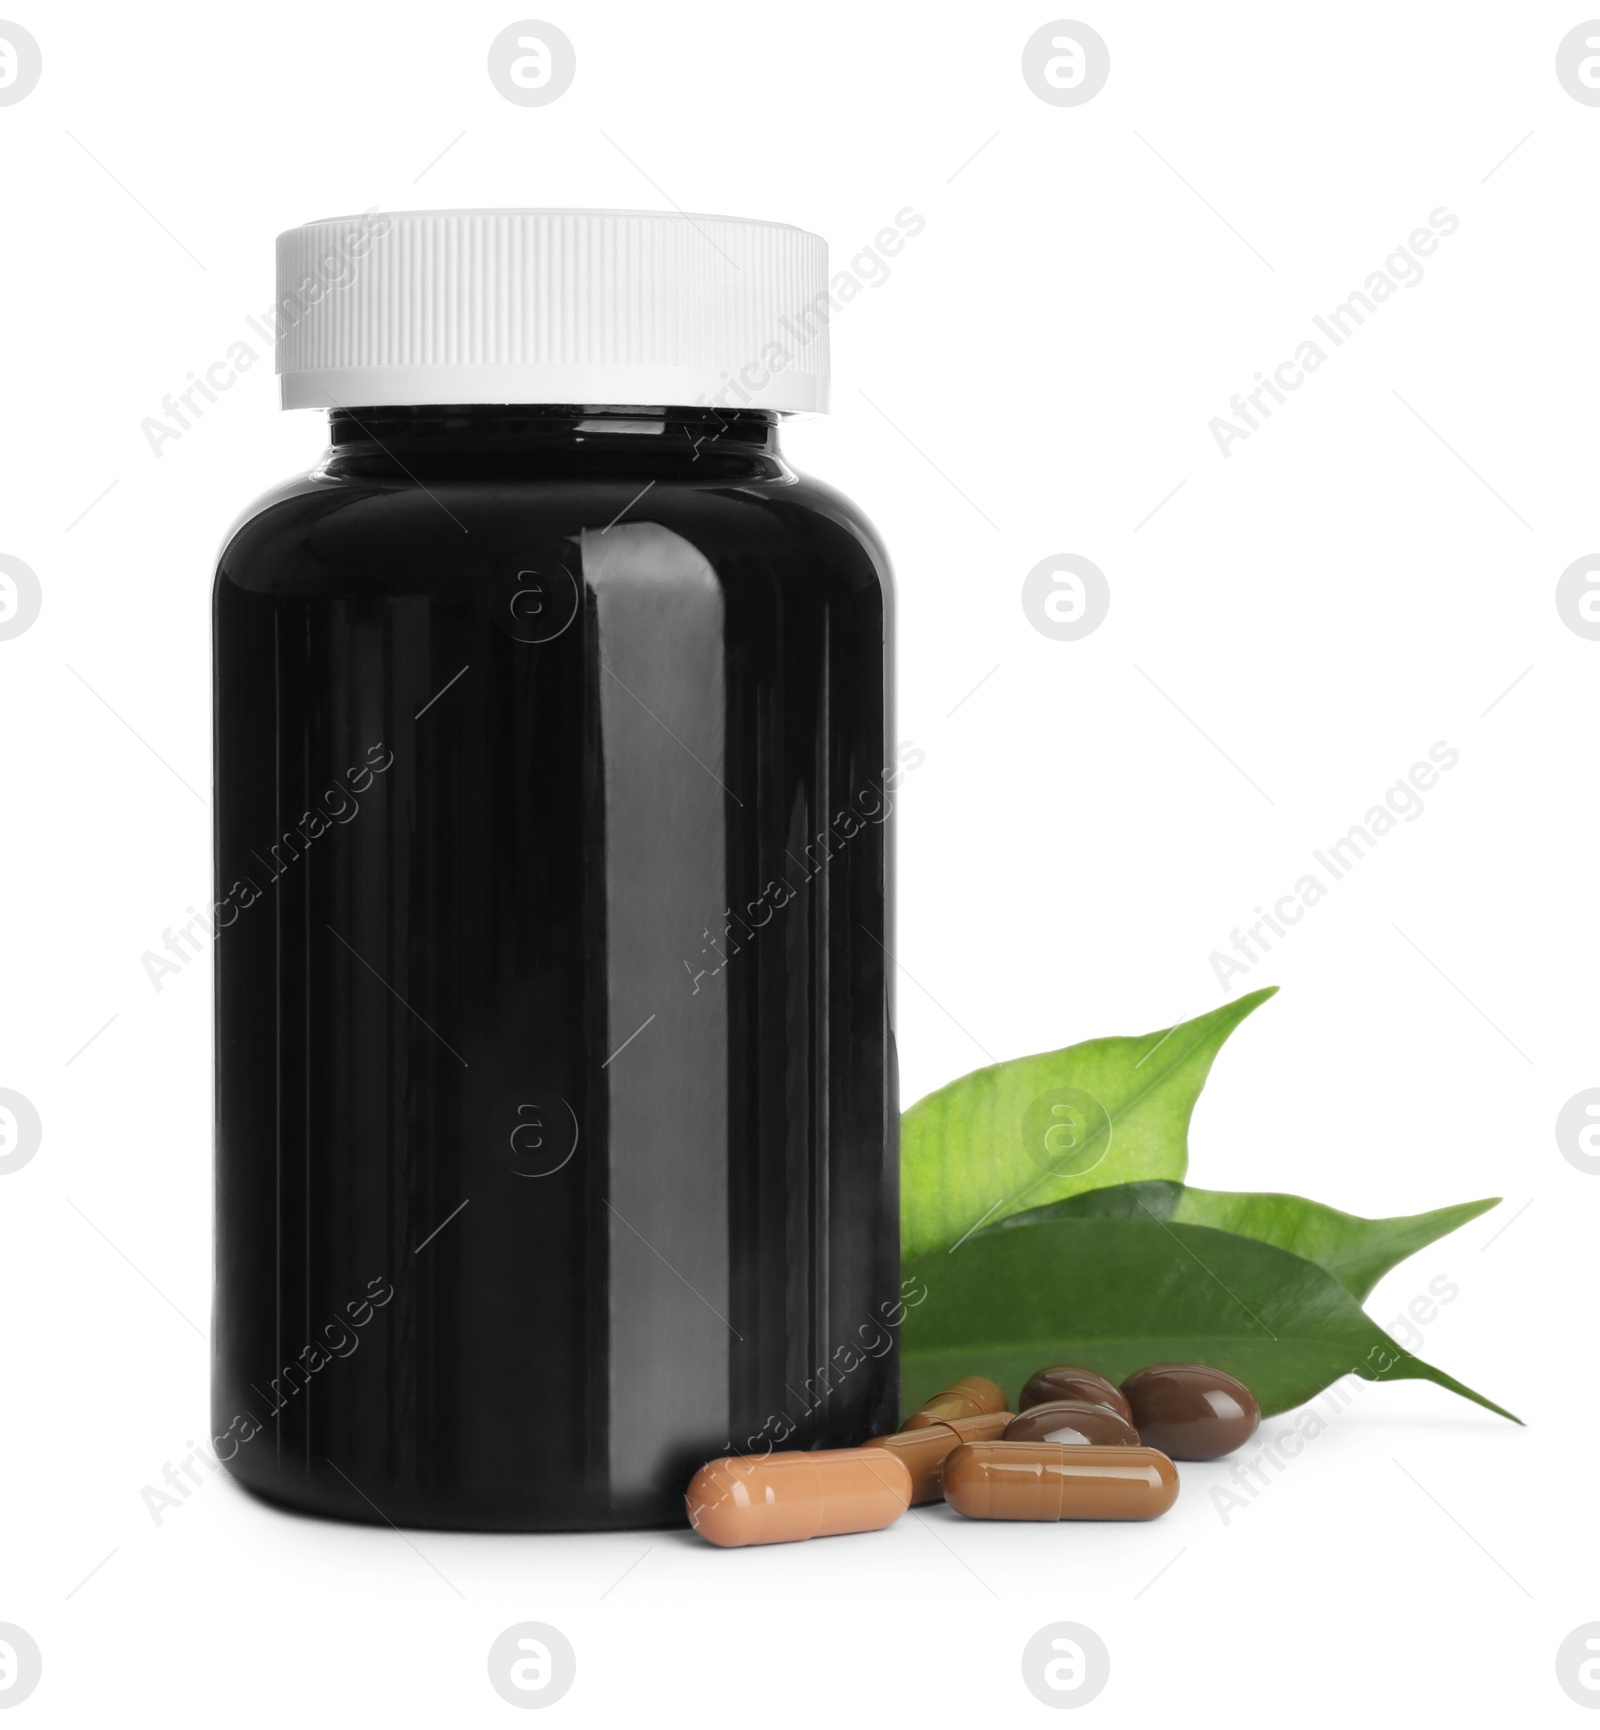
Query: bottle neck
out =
(524, 439)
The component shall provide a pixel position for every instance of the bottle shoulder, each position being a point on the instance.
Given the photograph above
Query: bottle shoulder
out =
(266, 516)
(828, 501)
(328, 533)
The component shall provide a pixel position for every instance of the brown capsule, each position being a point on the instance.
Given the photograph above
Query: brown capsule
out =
(1058, 1481)
(1191, 1411)
(1068, 1382)
(780, 1498)
(925, 1450)
(971, 1397)
(1080, 1422)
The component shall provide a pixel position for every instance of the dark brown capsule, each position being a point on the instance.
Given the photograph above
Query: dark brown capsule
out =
(1080, 1422)
(1068, 1382)
(1057, 1481)
(971, 1397)
(1191, 1411)
(923, 1451)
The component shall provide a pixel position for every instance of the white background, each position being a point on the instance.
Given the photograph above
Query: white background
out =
(1288, 633)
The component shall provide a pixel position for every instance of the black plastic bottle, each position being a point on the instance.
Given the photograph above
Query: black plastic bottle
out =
(556, 1104)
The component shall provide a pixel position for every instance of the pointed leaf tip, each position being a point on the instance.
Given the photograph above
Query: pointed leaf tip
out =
(1035, 1129)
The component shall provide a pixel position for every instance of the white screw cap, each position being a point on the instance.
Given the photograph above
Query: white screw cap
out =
(587, 307)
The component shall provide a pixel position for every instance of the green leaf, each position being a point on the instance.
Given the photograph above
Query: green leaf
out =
(1037, 1129)
(1357, 1252)
(1117, 1294)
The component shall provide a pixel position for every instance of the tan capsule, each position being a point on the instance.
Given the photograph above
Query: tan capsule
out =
(971, 1397)
(1058, 1481)
(925, 1450)
(781, 1498)
(1079, 1421)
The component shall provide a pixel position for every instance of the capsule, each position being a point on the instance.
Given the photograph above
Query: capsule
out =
(971, 1397)
(781, 1498)
(925, 1450)
(1058, 1481)
(1068, 1382)
(1079, 1422)
(1192, 1411)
